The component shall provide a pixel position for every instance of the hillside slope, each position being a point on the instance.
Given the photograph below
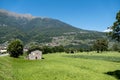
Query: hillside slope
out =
(42, 30)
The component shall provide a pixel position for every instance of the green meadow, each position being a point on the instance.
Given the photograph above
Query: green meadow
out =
(62, 66)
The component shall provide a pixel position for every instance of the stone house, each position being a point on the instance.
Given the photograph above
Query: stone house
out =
(37, 54)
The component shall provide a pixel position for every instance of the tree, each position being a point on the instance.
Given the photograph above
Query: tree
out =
(58, 49)
(33, 48)
(115, 34)
(15, 48)
(100, 45)
(116, 47)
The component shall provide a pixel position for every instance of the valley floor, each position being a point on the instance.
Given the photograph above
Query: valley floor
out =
(62, 66)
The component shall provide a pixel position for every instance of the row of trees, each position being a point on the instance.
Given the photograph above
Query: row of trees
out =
(46, 49)
(15, 48)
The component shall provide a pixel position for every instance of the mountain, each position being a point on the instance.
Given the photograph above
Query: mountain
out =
(41, 30)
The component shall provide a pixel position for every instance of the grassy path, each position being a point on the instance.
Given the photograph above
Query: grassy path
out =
(61, 66)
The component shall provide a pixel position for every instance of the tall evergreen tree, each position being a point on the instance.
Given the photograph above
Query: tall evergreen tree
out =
(116, 28)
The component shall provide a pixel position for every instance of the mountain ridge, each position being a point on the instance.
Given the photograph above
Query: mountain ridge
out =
(43, 30)
(8, 13)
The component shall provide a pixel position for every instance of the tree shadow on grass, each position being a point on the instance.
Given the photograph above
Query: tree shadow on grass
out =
(115, 74)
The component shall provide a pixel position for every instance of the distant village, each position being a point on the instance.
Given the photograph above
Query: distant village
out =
(3, 48)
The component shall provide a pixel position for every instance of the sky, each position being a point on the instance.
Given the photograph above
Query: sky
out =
(85, 14)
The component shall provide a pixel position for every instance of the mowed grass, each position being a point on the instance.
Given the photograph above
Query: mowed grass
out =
(61, 66)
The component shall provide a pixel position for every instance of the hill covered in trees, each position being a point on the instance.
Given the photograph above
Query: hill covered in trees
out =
(44, 31)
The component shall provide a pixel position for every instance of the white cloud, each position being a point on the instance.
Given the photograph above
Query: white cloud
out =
(28, 16)
(108, 30)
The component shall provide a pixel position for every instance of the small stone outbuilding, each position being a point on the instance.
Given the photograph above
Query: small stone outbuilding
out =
(34, 55)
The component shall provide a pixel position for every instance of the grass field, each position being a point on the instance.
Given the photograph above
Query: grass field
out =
(61, 66)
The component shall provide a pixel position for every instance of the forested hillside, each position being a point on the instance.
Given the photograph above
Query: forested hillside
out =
(40, 30)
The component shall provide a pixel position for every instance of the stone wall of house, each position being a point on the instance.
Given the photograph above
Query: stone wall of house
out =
(35, 55)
